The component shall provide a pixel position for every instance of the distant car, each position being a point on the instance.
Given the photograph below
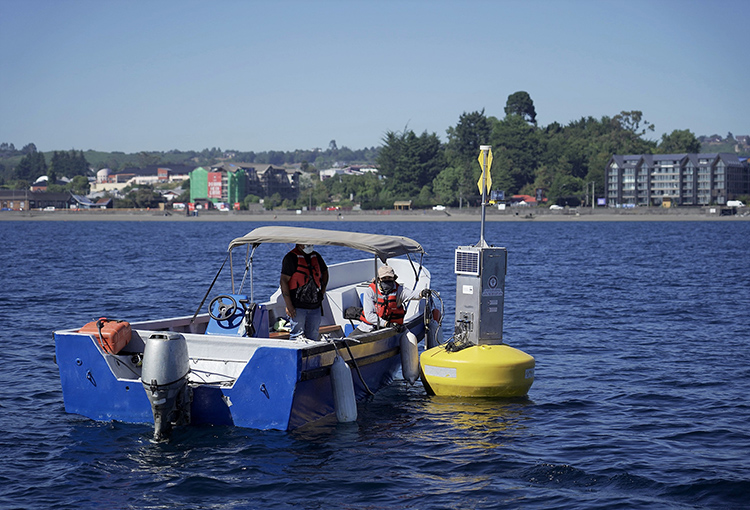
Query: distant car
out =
(555, 207)
(49, 208)
(439, 208)
(333, 208)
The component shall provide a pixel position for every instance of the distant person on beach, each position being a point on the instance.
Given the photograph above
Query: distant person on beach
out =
(383, 301)
(304, 277)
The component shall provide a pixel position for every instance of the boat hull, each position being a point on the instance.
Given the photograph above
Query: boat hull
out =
(244, 369)
(282, 385)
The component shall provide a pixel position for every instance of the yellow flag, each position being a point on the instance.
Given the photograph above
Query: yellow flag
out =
(486, 174)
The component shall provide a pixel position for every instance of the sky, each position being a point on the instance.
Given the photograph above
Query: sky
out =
(160, 75)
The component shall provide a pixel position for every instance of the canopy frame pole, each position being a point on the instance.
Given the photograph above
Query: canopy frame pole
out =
(231, 270)
(252, 277)
(210, 287)
(377, 284)
(248, 268)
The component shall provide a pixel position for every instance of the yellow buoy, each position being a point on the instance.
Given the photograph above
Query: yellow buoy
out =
(477, 371)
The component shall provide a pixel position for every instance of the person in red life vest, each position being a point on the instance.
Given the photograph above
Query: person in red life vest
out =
(383, 301)
(304, 277)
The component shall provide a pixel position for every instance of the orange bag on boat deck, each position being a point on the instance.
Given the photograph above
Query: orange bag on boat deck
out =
(112, 335)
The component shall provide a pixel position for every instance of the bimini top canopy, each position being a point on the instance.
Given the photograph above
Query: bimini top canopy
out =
(383, 246)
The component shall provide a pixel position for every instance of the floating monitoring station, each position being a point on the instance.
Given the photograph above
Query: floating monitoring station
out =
(475, 362)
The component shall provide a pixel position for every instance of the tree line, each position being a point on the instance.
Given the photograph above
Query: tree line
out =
(561, 160)
(69, 164)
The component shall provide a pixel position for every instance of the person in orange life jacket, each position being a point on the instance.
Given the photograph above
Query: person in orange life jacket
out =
(383, 301)
(304, 277)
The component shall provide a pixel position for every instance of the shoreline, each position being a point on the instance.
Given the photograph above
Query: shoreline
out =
(465, 215)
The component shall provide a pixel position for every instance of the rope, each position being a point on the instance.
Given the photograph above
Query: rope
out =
(354, 362)
(120, 363)
(198, 373)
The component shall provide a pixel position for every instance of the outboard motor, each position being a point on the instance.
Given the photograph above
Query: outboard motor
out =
(164, 377)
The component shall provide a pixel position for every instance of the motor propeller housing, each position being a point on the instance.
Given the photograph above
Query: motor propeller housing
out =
(164, 376)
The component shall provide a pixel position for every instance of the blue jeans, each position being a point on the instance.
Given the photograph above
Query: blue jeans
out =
(307, 323)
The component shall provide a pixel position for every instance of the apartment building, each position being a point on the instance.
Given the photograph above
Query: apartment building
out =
(676, 179)
(231, 182)
(219, 183)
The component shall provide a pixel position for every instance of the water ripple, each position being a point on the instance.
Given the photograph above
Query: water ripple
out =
(640, 398)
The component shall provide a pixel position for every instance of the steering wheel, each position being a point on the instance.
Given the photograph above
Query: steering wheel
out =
(226, 310)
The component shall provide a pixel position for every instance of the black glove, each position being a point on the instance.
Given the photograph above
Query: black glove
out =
(425, 293)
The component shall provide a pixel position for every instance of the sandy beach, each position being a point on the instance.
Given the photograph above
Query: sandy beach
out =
(466, 215)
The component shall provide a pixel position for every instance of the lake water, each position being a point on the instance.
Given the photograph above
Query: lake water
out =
(640, 331)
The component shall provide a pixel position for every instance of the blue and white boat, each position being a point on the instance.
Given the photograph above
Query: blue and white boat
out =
(228, 365)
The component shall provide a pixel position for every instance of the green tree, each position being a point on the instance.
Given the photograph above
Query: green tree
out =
(56, 165)
(276, 158)
(79, 185)
(272, 202)
(250, 199)
(544, 178)
(458, 180)
(582, 148)
(69, 163)
(502, 173)
(150, 158)
(565, 190)
(409, 162)
(631, 122)
(564, 148)
(56, 188)
(425, 197)
(472, 131)
(520, 103)
(447, 185)
(142, 197)
(678, 142)
(362, 188)
(31, 167)
(184, 196)
(320, 194)
(519, 143)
